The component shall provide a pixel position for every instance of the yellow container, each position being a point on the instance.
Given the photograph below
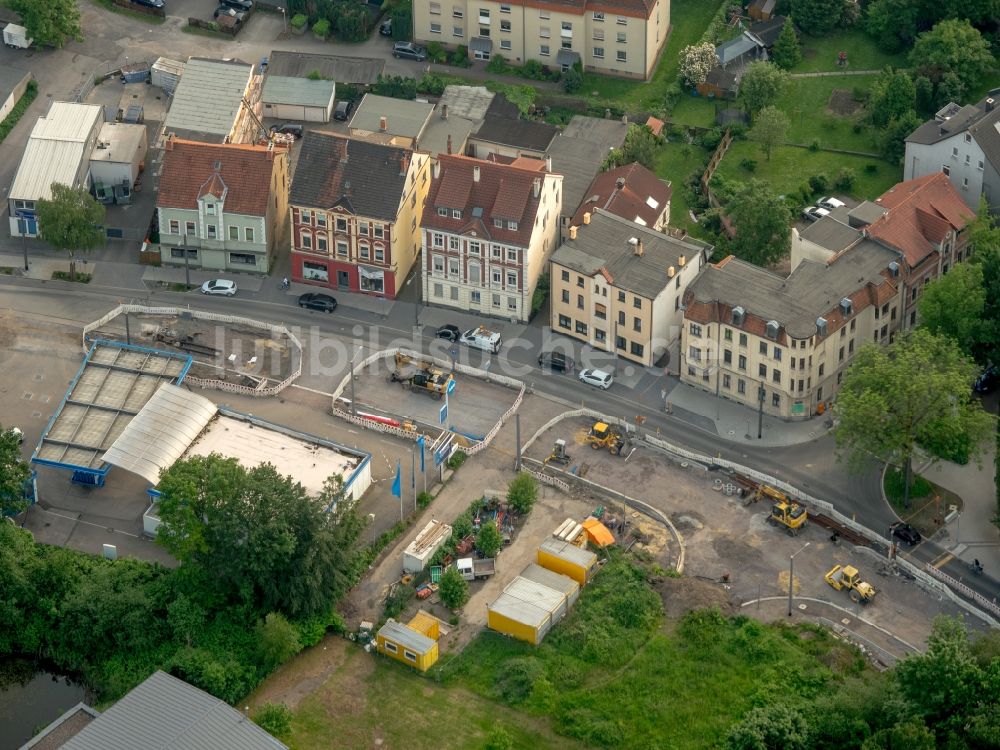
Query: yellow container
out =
(406, 645)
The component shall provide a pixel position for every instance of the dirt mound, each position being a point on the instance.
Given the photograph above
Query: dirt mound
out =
(843, 103)
(682, 595)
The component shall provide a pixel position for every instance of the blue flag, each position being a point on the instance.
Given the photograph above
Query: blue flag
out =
(396, 489)
(420, 442)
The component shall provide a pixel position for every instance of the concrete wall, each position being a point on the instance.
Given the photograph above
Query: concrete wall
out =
(17, 92)
(803, 249)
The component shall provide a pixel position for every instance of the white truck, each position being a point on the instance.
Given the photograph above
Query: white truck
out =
(16, 36)
(482, 338)
(473, 569)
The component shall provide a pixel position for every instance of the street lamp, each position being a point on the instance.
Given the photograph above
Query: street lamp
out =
(791, 576)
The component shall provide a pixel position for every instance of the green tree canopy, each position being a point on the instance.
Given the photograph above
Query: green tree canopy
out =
(984, 237)
(488, 540)
(522, 491)
(892, 138)
(453, 589)
(892, 96)
(761, 85)
(761, 222)
(71, 220)
(14, 472)
(261, 534)
(640, 145)
(893, 23)
(952, 306)
(769, 129)
(787, 52)
(817, 16)
(952, 46)
(50, 24)
(915, 390)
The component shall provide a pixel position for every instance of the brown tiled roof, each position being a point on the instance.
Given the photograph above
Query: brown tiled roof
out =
(920, 214)
(503, 191)
(189, 170)
(628, 201)
(655, 125)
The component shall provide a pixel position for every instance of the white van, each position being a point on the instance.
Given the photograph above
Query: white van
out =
(482, 338)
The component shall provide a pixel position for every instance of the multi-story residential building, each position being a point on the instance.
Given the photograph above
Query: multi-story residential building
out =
(225, 206)
(618, 286)
(488, 231)
(923, 221)
(782, 344)
(216, 101)
(617, 37)
(355, 211)
(964, 144)
(632, 192)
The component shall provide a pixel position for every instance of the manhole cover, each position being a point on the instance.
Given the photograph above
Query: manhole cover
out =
(39, 377)
(36, 415)
(27, 396)
(732, 432)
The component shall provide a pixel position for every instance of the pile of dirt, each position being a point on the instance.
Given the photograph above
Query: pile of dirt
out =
(843, 103)
(681, 595)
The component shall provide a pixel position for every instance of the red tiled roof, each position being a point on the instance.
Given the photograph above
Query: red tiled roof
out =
(629, 201)
(504, 191)
(655, 125)
(189, 171)
(921, 213)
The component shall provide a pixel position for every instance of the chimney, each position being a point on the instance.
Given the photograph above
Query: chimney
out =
(681, 261)
(990, 104)
(572, 232)
(538, 186)
(475, 173)
(671, 272)
(383, 124)
(619, 183)
(449, 143)
(437, 170)
(403, 166)
(548, 163)
(444, 111)
(586, 217)
(639, 250)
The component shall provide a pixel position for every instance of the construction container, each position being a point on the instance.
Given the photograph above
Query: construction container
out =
(557, 581)
(166, 74)
(563, 557)
(135, 72)
(407, 645)
(427, 542)
(526, 610)
(426, 624)
(16, 36)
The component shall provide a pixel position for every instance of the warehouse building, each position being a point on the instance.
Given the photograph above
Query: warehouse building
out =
(568, 560)
(410, 644)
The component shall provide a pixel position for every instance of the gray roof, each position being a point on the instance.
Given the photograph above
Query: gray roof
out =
(434, 139)
(406, 637)
(404, 117)
(298, 91)
(604, 243)
(10, 77)
(736, 48)
(811, 291)
(530, 135)
(360, 70)
(166, 713)
(832, 232)
(472, 102)
(958, 119)
(559, 582)
(987, 134)
(865, 213)
(578, 152)
(570, 552)
(208, 99)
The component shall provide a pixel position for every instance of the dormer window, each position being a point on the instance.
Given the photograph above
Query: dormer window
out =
(498, 223)
(456, 214)
(210, 209)
(512, 225)
(442, 211)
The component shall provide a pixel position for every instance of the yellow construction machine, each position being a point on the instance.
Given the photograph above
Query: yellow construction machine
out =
(421, 376)
(603, 435)
(789, 514)
(559, 454)
(848, 577)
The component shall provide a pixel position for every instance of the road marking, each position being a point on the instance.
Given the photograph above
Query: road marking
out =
(943, 559)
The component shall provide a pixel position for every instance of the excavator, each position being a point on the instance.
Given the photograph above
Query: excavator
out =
(421, 376)
(603, 435)
(784, 511)
(559, 454)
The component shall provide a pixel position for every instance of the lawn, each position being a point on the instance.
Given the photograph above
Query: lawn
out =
(806, 102)
(791, 166)
(675, 162)
(819, 54)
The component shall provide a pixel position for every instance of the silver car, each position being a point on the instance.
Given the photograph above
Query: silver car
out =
(225, 287)
(597, 378)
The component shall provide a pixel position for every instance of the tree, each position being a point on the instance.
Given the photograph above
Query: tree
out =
(761, 221)
(186, 618)
(984, 237)
(892, 139)
(572, 80)
(50, 24)
(277, 641)
(952, 46)
(522, 492)
(697, 60)
(641, 145)
(787, 53)
(767, 727)
(265, 540)
(453, 589)
(14, 472)
(915, 390)
(488, 540)
(953, 304)
(892, 96)
(893, 23)
(72, 221)
(817, 16)
(769, 128)
(761, 85)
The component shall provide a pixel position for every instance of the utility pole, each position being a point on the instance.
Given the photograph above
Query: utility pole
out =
(517, 438)
(413, 475)
(353, 408)
(761, 393)
(791, 577)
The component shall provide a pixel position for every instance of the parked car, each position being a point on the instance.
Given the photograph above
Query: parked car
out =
(385, 28)
(482, 338)
(814, 213)
(343, 110)
(597, 378)
(225, 11)
(830, 203)
(409, 51)
(906, 533)
(316, 301)
(150, 3)
(556, 361)
(239, 4)
(289, 128)
(448, 332)
(987, 381)
(224, 287)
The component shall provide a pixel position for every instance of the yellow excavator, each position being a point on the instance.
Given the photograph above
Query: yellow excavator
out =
(603, 435)
(848, 577)
(558, 454)
(421, 376)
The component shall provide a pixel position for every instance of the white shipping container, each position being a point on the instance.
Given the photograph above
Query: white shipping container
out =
(16, 36)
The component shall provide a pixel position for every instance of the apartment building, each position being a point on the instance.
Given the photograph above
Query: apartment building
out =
(618, 286)
(488, 231)
(632, 192)
(615, 37)
(355, 213)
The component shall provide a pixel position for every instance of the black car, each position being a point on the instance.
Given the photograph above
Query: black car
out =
(409, 50)
(315, 301)
(385, 29)
(906, 534)
(289, 128)
(343, 110)
(224, 11)
(239, 4)
(987, 382)
(556, 361)
(448, 332)
(150, 3)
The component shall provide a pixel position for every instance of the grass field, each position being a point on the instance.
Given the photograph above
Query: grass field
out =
(819, 54)
(675, 162)
(806, 102)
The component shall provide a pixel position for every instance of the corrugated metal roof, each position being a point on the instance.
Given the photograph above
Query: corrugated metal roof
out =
(406, 637)
(403, 117)
(567, 551)
(159, 434)
(165, 713)
(520, 610)
(529, 602)
(298, 91)
(559, 582)
(68, 121)
(208, 97)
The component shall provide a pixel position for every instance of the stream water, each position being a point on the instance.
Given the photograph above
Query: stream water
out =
(30, 698)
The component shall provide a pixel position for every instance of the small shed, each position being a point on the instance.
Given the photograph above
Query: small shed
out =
(761, 10)
(427, 542)
(719, 83)
(426, 624)
(166, 74)
(116, 161)
(526, 610)
(301, 99)
(567, 559)
(406, 645)
(538, 574)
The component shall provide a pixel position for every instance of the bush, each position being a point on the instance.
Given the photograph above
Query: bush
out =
(522, 492)
(871, 168)
(277, 641)
(533, 69)
(15, 114)
(805, 193)
(274, 718)
(749, 165)
(709, 140)
(424, 499)
(436, 52)
(846, 178)
(540, 293)
(497, 64)
(819, 183)
(518, 678)
(431, 84)
(572, 81)
(457, 459)
(498, 739)
(298, 21)
(460, 56)
(671, 96)
(453, 589)
(321, 28)
(814, 146)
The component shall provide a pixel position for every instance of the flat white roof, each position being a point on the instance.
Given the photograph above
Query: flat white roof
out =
(55, 150)
(307, 462)
(527, 602)
(68, 121)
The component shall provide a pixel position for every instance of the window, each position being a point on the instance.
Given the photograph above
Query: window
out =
(776, 376)
(474, 248)
(512, 225)
(840, 358)
(435, 9)
(579, 281)
(743, 339)
(438, 290)
(965, 183)
(305, 217)
(741, 386)
(954, 152)
(600, 335)
(341, 225)
(211, 231)
(453, 292)
(210, 209)
(342, 248)
(980, 165)
(579, 301)
(243, 259)
(967, 159)
(435, 28)
(564, 322)
(637, 324)
(453, 243)
(543, 14)
(473, 272)
(505, 8)
(379, 231)
(619, 342)
(305, 241)
(543, 50)
(637, 303)
(621, 57)
(821, 368)
(854, 324)
(621, 296)
(495, 252)
(438, 240)
(763, 347)
(581, 327)
(391, 648)
(775, 399)
(454, 268)
(565, 296)
(727, 357)
(694, 353)
(498, 223)
(512, 303)
(968, 137)
(234, 233)
(726, 382)
(544, 32)
(728, 334)
(248, 234)
(321, 220)
(505, 26)
(598, 35)
(457, 12)
(566, 29)
(512, 280)
(762, 370)
(505, 44)
(620, 37)
(484, 16)
(409, 655)
(945, 169)
(850, 346)
(456, 213)
(321, 243)
(600, 312)
(175, 226)
(777, 353)
(458, 31)
(437, 264)
(599, 52)
(496, 277)
(621, 21)
(476, 298)
(178, 252)
(695, 329)
(511, 255)
(442, 211)
(189, 227)
(637, 349)
(598, 16)
(564, 275)
(364, 250)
